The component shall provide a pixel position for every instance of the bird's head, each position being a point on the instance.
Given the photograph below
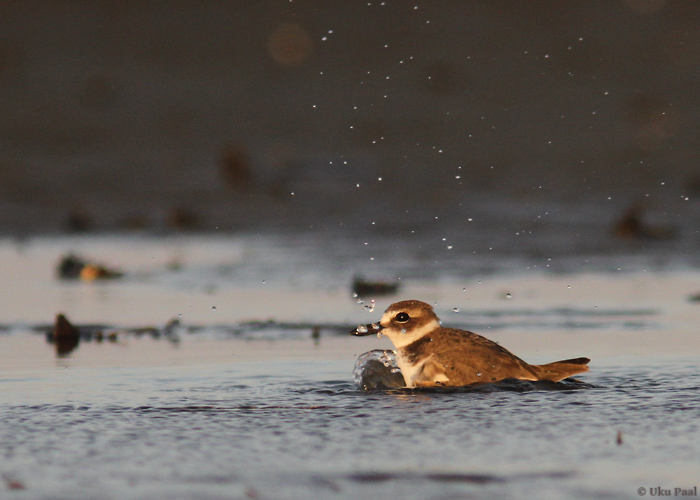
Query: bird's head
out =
(403, 322)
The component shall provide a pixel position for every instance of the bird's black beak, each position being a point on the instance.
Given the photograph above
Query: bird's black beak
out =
(364, 330)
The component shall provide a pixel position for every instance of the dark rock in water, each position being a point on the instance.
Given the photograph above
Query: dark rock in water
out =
(631, 225)
(316, 334)
(182, 219)
(170, 331)
(65, 336)
(72, 267)
(364, 288)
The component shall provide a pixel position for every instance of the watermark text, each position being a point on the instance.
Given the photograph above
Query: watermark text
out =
(658, 491)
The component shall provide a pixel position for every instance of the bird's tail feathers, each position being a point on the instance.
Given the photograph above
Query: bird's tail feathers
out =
(559, 370)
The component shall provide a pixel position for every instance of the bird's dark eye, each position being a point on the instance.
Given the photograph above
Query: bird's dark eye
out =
(402, 317)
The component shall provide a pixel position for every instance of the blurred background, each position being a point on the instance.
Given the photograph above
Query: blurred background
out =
(342, 116)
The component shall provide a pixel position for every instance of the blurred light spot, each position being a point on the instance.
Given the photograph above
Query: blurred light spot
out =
(289, 45)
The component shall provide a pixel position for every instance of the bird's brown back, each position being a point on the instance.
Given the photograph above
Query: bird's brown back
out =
(466, 357)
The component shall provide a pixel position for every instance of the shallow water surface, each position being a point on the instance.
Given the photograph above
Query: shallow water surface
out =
(302, 429)
(251, 394)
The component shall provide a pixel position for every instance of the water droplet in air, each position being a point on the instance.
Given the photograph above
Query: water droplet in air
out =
(455, 309)
(213, 308)
(509, 296)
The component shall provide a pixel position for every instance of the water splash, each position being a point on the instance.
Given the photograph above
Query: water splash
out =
(377, 370)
